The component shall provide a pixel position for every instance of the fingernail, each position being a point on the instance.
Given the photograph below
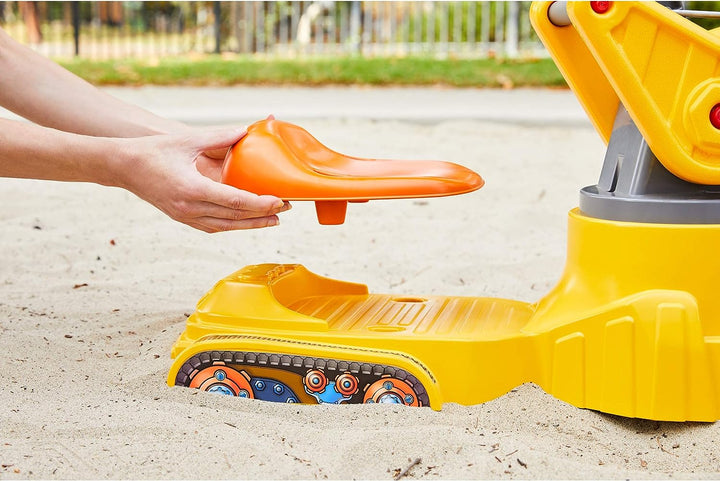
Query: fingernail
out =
(279, 204)
(273, 222)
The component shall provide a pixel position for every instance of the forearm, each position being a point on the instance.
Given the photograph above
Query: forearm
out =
(31, 151)
(45, 93)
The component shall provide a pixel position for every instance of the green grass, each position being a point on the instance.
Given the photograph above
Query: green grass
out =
(224, 70)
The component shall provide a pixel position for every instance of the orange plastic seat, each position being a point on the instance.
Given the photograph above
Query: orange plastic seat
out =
(284, 160)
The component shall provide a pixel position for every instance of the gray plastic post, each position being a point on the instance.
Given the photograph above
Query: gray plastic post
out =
(634, 186)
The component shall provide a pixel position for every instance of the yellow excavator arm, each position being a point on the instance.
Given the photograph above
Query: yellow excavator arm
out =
(662, 67)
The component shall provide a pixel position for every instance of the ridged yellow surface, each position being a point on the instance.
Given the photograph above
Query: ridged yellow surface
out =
(464, 317)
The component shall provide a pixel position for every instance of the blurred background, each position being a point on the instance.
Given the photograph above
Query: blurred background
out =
(455, 43)
(105, 30)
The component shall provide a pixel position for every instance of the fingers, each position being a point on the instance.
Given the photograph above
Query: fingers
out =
(236, 199)
(221, 212)
(213, 224)
(215, 218)
(214, 207)
(217, 139)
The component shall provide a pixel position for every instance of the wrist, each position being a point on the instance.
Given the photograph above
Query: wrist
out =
(112, 160)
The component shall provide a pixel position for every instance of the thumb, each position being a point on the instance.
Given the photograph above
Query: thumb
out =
(218, 138)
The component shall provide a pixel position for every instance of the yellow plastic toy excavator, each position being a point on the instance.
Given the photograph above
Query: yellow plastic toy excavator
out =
(633, 326)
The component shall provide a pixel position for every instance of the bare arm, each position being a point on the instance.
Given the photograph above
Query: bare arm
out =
(41, 91)
(179, 173)
(164, 170)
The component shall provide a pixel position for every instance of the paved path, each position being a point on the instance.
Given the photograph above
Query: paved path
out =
(222, 105)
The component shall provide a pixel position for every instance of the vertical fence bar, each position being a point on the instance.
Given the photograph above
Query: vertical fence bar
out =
(406, 18)
(54, 31)
(431, 28)
(528, 39)
(521, 25)
(166, 26)
(376, 26)
(511, 30)
(375, 16)
(94, 34)
(499, 25)
(416, 22)
(283, 27)
(355, 32)
(242, 27)
(200, 25)
(270, 18)
(294, 24)
(323, 31)
(176, 31)
(471, 22)
(398, 19)
(250, 27)
(144, 33)
(485, 26)
(105, 35)
(383, 27)
(129, 33)
(444, 27)
(315, 33)
(258, 11)
(161, 26)
(457, 19)
(392, 28)
(75, 13)
(247, 27)
(288, 27)
(343, 16)
(376, 21)
(328, 26)
(366, 30)
(455, 28)
(217, 26)
(330, 29)
(233, 44)
(186, 41)
(257, 41)
(118, 23)
(386, 28)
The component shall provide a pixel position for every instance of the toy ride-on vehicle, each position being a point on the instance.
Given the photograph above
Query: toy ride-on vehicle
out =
(633, 326)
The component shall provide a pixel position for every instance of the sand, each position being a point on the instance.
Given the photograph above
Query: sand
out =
(95, 285)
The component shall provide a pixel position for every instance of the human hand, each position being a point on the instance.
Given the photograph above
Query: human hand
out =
(210, 162)
(180, 175)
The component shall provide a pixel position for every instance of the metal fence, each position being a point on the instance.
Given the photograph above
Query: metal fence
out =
(109, 30)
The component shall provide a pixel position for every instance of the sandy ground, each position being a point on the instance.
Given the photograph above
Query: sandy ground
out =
(95, 286)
